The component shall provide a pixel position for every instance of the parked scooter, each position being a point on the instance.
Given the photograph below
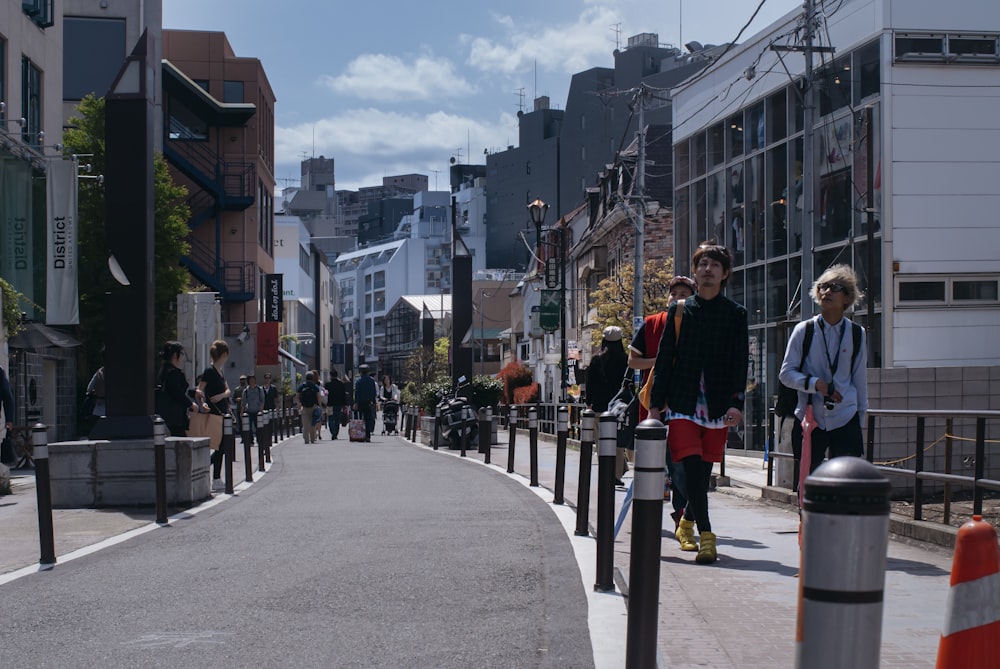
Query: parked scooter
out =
(458, 418)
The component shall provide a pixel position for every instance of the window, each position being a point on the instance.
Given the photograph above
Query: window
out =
(379, 302)
(951, 48)
(184, 124)
(232, 91)
(41, 12)
(31, 101)
(952, 291)
(716, 146)
(103, 40)
(380, 279)
(867, 72)
(736, 136)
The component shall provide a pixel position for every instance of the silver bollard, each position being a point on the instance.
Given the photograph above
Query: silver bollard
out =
(845, 537)
(644, 557)
(533, 445)
(511, 437)
(607, 448)
(229, 444)
(247, 464)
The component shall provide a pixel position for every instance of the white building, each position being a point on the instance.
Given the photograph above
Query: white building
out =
(908, 161)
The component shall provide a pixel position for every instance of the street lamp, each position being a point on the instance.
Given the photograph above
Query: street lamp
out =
(555, 276)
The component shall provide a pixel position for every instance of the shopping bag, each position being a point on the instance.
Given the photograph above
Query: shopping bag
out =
(206, 425)
(356, 428)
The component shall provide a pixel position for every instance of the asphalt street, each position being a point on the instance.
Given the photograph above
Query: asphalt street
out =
(344, 555)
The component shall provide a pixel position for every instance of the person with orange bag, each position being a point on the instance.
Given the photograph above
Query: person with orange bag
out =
(642, 356)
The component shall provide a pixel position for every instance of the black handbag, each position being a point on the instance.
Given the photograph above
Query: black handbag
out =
(625, 406)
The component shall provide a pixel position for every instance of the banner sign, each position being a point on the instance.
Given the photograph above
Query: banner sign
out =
(267, 343)
(17, 264)
(62, 303)
(274, 305)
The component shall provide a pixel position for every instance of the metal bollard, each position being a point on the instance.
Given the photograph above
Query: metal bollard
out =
(489, 435)
(414, 423)
(263, 437)
(644, 558)
(512, 436)
(562, 434)
(589, 423)
(484, 431)
(437, 428)
(43, 492)
(607, 447)
(229, 446)
(533, 444)
(845, 536)
(160, 468)
(247, 465)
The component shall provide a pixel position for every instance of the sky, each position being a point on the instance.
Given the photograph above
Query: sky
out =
(398, 87)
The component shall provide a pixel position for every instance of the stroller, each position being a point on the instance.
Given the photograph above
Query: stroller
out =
(390, 414)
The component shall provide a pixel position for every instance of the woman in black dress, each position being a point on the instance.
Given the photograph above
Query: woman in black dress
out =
(173, 400)
(214, 391)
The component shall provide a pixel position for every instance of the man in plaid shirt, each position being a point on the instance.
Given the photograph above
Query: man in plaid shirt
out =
(698, 387)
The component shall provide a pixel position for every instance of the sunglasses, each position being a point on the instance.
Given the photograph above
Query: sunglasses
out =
(833, 287)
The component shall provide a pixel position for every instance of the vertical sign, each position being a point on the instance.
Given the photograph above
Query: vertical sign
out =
(267, 343)
(62, 304)
(15, 205)
(273, 298)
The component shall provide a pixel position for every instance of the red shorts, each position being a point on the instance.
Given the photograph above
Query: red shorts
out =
(687, 438)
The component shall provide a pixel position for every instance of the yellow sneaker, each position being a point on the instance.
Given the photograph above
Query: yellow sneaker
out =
(706, 554)
(685, 535)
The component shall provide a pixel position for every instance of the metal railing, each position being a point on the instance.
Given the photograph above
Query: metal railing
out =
(927, 449)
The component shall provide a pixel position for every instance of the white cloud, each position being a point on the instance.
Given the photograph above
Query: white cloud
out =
(565, 48)
(373, 141)
(387, 78)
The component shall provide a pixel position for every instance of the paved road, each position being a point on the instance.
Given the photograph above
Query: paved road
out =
(344, 555)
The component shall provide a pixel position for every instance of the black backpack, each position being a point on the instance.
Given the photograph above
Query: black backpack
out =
(309, 395)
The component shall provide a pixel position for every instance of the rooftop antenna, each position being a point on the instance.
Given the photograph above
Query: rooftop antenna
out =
(520, 99)
(535, 97)
(680, 22)
(435, 178)
(314, 140)
(617, 28)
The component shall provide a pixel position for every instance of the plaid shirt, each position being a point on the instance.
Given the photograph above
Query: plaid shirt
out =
(713, 342)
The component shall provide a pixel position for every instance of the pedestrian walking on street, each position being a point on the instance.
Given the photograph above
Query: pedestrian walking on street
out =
(336, 401)
(307, 397)
(604, 379)
(173, 397)
(214, 391)
(365, 396)
(826, 362)
(699, 383)
(253, 404)
(642, 356)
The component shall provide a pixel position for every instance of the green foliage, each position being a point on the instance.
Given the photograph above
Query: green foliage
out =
(486, 390)
(430, 394)
(12, 300)
(84, 137)
(424, 367)
(613, 295)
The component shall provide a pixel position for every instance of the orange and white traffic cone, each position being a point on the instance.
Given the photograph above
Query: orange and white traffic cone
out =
(971, 636)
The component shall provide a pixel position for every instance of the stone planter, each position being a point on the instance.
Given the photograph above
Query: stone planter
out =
(120, 473)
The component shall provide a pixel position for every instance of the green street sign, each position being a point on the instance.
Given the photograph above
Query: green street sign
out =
(550, 310)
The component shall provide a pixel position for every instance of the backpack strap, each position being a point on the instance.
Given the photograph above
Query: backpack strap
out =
(806, 343)
(856, 333)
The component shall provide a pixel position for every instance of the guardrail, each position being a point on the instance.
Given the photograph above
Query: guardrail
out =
(926, 447)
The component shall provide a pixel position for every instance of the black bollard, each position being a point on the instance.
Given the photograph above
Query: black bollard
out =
(512, 436)
(644, 557)
(562, 434)
(247, 465)
(589, 423)
(263, 437)
(272, 424)
(437, 428)
(160, 468)
(489, 436)
(845, 537)
(533, 444)
(43, 492)
(607, 447)
(229, 446)
(484, 432)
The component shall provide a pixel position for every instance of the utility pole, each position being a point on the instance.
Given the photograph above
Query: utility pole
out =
(639, 202)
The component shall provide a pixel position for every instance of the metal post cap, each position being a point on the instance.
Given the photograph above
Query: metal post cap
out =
(227, 424)
(651, 429)
(159, 431)
(849, 486)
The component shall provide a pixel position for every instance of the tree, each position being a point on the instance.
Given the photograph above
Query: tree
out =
(613, 295)
(424, 366)
(84, 137)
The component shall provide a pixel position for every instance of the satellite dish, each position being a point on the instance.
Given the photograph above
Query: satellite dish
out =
(117, 271)
(452, 160)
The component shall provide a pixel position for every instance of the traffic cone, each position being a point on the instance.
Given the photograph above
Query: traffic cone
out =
(971, 636)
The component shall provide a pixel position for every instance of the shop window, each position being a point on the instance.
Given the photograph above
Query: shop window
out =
(868, 68)
(777, 291)
(682, 161)
(717, 209)
(777, 117)
(735, 124)
(755, 206)
(699, 153)
(716, 146)
(776, 208)
(835, 86)
(755, 131)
